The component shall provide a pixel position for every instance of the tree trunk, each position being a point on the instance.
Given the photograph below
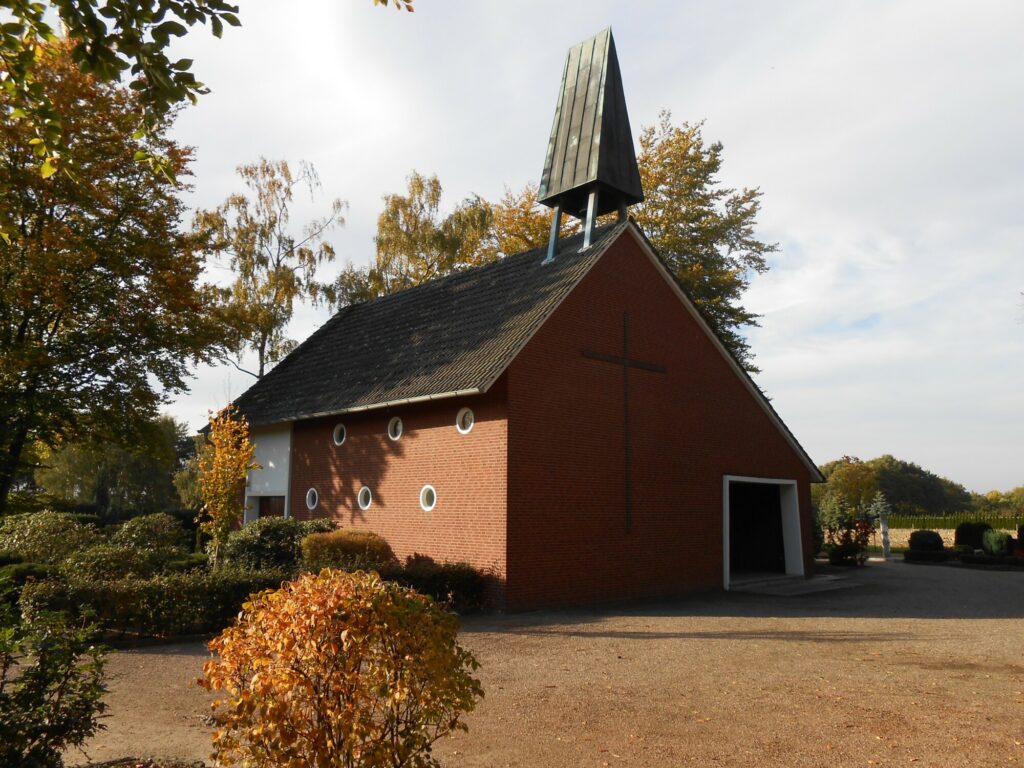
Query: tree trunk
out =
(9, 462)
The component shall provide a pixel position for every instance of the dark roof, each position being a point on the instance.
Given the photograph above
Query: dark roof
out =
(455, 335)
(591, 144)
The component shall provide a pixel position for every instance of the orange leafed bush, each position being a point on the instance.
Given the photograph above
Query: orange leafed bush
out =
(339, 669)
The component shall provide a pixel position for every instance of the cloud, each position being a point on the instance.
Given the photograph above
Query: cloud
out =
(884, 137)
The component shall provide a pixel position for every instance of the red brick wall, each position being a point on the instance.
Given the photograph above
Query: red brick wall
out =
(690, 426)
(467, 471)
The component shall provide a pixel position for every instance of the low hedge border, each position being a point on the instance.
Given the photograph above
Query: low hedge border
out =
(189, 603)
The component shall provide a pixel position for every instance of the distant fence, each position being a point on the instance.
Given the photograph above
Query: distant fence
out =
(934, 522)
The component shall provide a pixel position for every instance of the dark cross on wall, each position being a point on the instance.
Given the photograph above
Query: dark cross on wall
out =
(626, 362)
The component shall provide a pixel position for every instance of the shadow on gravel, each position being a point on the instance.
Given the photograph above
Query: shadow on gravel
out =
(893, 590)
(781, 635)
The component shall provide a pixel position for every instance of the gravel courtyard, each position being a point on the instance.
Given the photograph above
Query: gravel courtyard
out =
(906, 665)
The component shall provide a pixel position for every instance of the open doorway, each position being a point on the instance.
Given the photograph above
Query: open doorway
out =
(761, 528)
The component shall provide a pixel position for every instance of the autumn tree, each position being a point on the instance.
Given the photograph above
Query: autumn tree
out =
(519, 223)
(705, 231)
(273, 266)
(222, 472)
(339, 669)
(415, 243)
(101, 306)
(849, 480)
(114, 477)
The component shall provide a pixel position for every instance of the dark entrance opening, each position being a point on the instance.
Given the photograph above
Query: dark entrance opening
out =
(755, 529)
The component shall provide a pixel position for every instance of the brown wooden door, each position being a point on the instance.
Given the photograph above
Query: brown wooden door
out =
(271, 506)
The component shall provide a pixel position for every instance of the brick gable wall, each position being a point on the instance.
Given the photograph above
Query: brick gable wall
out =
(690, 426)
(467, 471)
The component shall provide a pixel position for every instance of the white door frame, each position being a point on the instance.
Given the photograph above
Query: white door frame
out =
(789, 501)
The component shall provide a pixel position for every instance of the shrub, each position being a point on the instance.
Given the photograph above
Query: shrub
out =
(817, 531)
(45, 537)
(850, 553)
(970, 533)
(926, 541)
(318, 525)
(51, 689)
(14, 576)
(271, 542)
(7, 557)
(997, 543)
(165, 605)
(339, 669)
(1014, 560)
(189, 562)
(459, 586)
(111, 561)
(847, 532)
(348, 549)
(159, 531)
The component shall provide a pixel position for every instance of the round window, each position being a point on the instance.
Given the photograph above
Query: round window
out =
(465, 420)
(395, 428)
(428, 498)
(312, 498)
(365, 498)
(340, 433)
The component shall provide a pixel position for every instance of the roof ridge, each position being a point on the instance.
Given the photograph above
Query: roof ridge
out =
(475, 269)
(513, 278)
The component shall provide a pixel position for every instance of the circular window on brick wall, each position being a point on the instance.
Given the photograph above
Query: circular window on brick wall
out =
(465, 420)
(340, 433)
(312, 498)
(365, 498)
(395, 428)
(428, 498)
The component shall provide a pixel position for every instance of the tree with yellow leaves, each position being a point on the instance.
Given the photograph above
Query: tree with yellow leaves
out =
(339, 669)
(705, 231)
(222, 472)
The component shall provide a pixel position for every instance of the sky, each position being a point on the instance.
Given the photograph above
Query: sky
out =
(887, 139)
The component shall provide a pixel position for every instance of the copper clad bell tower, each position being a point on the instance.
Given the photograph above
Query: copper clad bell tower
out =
(590, 168)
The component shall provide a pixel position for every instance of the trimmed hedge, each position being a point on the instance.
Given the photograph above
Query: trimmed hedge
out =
(997, 543)
(7, 557)
(161, 606)
(846, 554)
(158, 531)
(111, 561)
(271, 542)
(189, 562)
(458, 586)
(926, 541)
(45, 537)
(15, 576)
(1009, 522)
(970, 533)
(348, 549)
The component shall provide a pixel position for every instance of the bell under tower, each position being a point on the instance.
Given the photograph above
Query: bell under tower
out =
(590, 167)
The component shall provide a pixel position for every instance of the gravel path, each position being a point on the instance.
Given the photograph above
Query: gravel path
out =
(915, 665)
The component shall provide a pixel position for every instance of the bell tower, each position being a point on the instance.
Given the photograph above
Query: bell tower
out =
(590, 167)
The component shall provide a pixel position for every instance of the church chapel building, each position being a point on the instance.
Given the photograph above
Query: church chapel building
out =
(563, 417)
